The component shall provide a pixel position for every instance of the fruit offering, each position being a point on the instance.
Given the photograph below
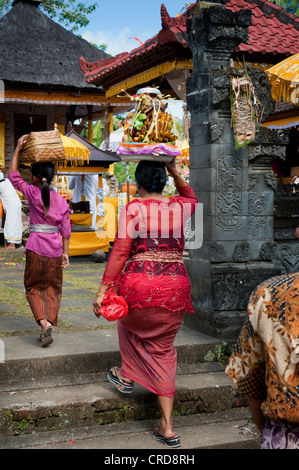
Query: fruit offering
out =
(149, 122)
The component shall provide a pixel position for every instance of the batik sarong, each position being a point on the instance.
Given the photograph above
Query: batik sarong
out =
(43, 284)
(280, 435)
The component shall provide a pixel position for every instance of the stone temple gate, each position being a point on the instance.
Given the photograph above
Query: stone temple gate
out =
(248, 222)
(235, 186)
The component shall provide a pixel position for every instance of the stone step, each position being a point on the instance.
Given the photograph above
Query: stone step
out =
(82, 351)
(61, 394)
(88, 400)
(229, 429)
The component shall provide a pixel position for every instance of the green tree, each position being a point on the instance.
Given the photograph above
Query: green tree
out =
(120, 171)
(102, 47)
(292, 6)
(72, 13)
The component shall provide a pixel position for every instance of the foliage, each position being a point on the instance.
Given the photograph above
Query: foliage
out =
(221, 353)
(72, 13)
(101, 47)
(185, 6)
(120, 171)
(292, 6)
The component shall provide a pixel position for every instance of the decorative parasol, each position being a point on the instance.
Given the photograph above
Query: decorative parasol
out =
(284, 78)
(75, 151)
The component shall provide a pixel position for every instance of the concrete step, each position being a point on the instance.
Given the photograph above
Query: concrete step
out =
(222, 430)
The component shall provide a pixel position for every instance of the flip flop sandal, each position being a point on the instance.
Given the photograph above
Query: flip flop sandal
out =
(46, 338)
(120, 384)
(174, 441)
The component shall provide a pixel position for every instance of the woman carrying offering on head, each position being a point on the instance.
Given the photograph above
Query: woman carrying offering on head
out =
(146, 264)
(48, 243)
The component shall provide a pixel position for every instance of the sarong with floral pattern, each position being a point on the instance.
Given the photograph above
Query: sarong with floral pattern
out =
(265, 361)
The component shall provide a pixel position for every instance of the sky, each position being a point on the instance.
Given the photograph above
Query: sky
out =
(117, 22)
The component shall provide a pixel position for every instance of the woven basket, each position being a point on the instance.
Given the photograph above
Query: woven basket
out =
(44, 146)
(242, 111)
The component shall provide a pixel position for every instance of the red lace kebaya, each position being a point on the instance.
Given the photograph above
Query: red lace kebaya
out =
(147, 257)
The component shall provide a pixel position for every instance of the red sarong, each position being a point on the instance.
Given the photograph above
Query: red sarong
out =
(146, 338)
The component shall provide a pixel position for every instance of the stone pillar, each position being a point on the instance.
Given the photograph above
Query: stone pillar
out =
(236, 187)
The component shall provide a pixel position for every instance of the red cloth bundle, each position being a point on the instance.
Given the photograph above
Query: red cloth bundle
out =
(113, 306)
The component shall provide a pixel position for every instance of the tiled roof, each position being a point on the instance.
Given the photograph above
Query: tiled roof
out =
(274, 32)
(168, 44)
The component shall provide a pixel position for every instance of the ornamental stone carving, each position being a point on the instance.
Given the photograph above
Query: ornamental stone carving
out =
(270, 181)
(256, 227)
(241, 252)
(288, 258)
(216, 130)
(217, 253)
(268, 251)
(256, 204)
(229, 192)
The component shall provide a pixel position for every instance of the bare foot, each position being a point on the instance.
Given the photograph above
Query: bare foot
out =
(11, 246)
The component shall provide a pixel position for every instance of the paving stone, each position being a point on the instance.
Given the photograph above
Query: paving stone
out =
(96, 281)
(15, 285)
(6, 308)
(79, 267)
(11, 277)
(76, 302)
(83, 318)
(17, 324)
(71, 292)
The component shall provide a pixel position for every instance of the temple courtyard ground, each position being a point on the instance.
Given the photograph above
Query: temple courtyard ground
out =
(59, 397)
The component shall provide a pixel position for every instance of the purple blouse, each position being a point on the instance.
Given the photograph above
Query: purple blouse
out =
(44, 244)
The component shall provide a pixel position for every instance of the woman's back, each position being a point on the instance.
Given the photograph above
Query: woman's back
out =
(44, 244)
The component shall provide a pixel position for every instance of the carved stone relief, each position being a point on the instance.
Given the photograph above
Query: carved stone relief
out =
(268, 251)
(262, 90)
(217, 253)
(241, 252)
(263, 151)
(229, 192)
(256, 204)
(270, 181)
(288, 258)
(284, 234)
(216, 130)
(256, 227)
(252, 179)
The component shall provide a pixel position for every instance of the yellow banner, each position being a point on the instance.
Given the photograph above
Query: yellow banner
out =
(148, 75)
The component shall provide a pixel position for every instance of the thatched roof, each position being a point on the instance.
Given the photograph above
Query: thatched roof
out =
(37, 51)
